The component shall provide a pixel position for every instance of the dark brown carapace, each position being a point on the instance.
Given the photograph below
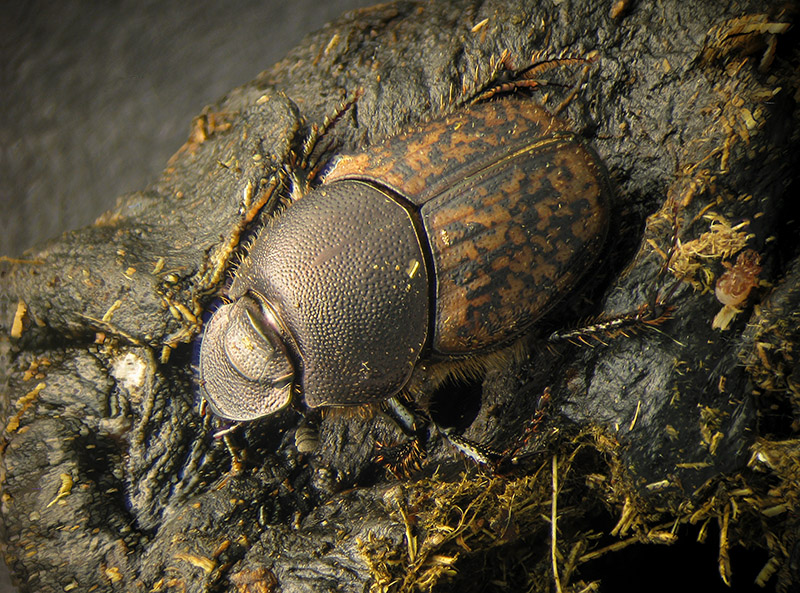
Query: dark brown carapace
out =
(429, 253)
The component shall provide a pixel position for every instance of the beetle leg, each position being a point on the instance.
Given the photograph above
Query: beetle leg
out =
(404, 417)
(603, 328)
(651, 314)
(528, 77)
(404, 459)
(658, 299)
(656, 310)
(510, 456)
(537, 68)
(224, 432)
(401, 460)
(507, 87)
(237, 465)
(480, 454)
(208, 418)
(310, 162)
(225, 435)
(306, 164)
(495, 460)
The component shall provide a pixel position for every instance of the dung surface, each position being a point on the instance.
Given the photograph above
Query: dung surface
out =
(113, 481)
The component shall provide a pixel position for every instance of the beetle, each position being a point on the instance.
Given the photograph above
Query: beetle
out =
(432, 252)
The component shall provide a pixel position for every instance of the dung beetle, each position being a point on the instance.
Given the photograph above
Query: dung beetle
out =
(430, 253)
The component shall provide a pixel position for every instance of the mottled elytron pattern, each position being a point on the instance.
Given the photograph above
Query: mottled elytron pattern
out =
(515, 208)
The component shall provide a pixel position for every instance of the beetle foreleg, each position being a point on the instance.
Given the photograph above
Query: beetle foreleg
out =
(237, 464)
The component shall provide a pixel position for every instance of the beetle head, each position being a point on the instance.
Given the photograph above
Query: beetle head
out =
(245, 369)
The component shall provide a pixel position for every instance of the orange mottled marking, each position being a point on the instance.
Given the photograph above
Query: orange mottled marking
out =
(514, 207)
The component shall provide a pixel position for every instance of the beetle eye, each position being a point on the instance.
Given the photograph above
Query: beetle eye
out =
(244, 366)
